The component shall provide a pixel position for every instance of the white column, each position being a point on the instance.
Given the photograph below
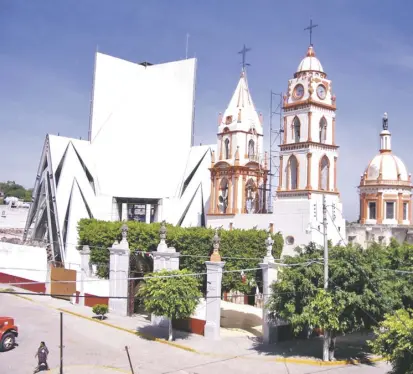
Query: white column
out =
(118, 275)
(269, 276)
(148, 213)
(85, 271)
(165, 258)
(124, 212)
(213, 299)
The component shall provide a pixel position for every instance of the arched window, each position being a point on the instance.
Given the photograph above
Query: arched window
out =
(251, 148)
(293, 172)
(223, 196)
(296, 128)
(251, 196)
(323, 130)
(227, 155)
(324, 174)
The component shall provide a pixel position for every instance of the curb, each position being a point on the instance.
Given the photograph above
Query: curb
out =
(56, 369)
(285, 360)
(134, 332)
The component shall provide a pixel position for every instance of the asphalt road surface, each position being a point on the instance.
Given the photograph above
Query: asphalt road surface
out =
(92, 348)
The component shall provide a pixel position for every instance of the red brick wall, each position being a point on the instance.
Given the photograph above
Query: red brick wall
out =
(92, 300)
(193, 325)
(34, 287)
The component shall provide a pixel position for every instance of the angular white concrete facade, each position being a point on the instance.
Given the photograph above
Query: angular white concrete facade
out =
(138, 163)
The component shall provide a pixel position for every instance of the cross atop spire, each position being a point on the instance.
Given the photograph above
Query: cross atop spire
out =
(310, 28)
(243, 52)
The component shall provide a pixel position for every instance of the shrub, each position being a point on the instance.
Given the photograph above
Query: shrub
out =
(245, 247)
(100, 310)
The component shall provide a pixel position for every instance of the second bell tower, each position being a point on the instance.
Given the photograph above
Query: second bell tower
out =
(239, 169)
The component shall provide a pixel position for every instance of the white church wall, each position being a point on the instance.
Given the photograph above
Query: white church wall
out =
(154, 107)
(77, 211)
(292, 218)
(241, 221)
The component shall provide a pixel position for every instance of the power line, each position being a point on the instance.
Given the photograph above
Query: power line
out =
(12, 292)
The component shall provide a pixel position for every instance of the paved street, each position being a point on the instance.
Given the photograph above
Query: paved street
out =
(92, 348)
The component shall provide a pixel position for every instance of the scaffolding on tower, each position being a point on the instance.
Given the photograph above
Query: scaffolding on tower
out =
(276, 135)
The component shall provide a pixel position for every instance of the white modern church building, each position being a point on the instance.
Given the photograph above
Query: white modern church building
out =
(134, 166)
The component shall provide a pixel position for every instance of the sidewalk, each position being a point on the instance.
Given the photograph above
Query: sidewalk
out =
(349, 348)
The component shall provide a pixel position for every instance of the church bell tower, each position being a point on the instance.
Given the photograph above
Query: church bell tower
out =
(308, 159)
(239, 170)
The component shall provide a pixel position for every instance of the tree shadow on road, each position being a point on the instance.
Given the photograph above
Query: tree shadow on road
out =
(157, 332)
(352, 348)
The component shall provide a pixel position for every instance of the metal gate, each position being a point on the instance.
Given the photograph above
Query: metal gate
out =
(139, 264)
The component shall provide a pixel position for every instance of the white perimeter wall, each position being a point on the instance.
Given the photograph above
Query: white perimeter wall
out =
(92, 285)
(23, 261)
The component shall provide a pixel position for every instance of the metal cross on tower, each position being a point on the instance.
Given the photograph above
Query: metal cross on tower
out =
(243, 52)
(310, 28)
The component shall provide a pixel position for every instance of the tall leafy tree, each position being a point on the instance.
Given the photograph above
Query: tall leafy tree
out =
(394, 341)
(360, 291)
(171, 294)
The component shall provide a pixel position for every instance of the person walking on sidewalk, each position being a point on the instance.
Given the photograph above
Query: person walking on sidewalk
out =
(41, 354)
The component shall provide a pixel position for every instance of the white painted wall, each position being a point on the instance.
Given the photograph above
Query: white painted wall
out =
(23, 261)
(92, 285)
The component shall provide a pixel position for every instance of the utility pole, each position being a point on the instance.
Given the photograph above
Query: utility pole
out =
(130, 362)
(326, 342)
(325, 243)
(61, 342)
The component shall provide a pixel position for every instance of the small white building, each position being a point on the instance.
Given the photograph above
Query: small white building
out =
(139, 162)
(385, 198)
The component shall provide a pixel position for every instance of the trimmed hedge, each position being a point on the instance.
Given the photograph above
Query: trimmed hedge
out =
(246, 247)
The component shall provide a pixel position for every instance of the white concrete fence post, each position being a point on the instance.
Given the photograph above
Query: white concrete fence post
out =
(85, 271)
(164, 258)
(213, 297)
(119, 274)
(269, 276)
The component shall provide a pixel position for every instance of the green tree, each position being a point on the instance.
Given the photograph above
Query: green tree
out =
(394, 341)
(359, 287)
(12, 189)
(171, 294)
(324, 311)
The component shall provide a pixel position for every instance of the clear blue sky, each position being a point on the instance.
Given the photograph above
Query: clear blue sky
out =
(47, 52)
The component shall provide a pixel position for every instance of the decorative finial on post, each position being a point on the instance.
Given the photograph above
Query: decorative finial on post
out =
(162, 230)
(124, 230)
(385, 121)
(216, 257)
(162, 246)
(269, 243)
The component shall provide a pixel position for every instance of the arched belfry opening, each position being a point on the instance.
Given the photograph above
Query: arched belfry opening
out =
(323, 130)
(292, 173)
(324, 174)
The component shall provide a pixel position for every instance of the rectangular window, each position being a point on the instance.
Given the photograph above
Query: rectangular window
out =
(372, 210)
(389, 210)
(405, 209)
